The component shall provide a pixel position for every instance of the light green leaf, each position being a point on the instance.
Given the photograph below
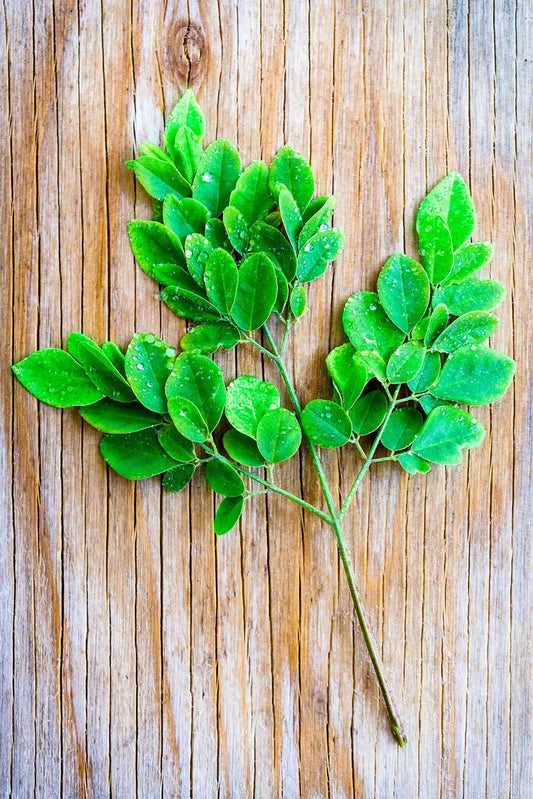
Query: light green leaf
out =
(188, 420)
(197, 251)
(224, 479)
(471, 328)
(405, 362)
(154, 151)
(251, 195)
(368, 327)
(468, 260)
(174, 275)
(474, 376)
(413, 464)
(374, 364)
(326, 424)
(403, 290)
(54, 377)
(291, 170)
(428, 402)
(236, 228)
(149, 362)
(248, 399)
(435, 247)
(115, 355)
(114, 417)
(446, 432)
(471, 294)
(368, 412)
(437, 322)
(215, 233)
(174, 444)
(319, 222)
(318, 251)
(450, 199)
(314, 207)
(257, 290)
(159, 178)
(188, 305)
(221, 277)
(348, 373)
(228, 514)
(184, 217)
(403, 426)
(298, 301)
(199, 380)
(290, 216)
(136, 456)
(265, 238)
(186, 113)
(278, 435)
(153, 243)
(209, 336)
(420, 329)
(217, 174)
(187, 152)
(178, 477)
(427, 375)
(242, 449)
(99, 368)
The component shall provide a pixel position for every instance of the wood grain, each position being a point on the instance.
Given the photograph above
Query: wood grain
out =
(141, 657)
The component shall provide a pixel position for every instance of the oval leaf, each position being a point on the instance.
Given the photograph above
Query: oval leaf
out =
(450, 199)
(474, 376)
(436, 248)
(184, 217)
(265, 238)
(159, 178)
(291, 170)
(319, 222)
(228, 514)
(471, 328)
(199, 380)
(326, 424)
(221, 278)
(189, 305)
(186, 113)
(446, 432)
(290, 216)
(278, 435)
(236, 228)
(402, 428)
(54, 377)
(178, 477)
(298, 301)
(368, 327)
(187, 152)
(348, 373)
(242, 449)
(437, 322)
(413, 464)
(251, 195)
(471, 294)
(99, 368)
(405, 362)
(174, 444)
(368, 412)
(215, 233)
(427, 375)
(209, 336)
(152, 243)
(224, 479)
(403, 290)
(217, 174)
(113, 417)
(149, 362)
(318, 251)
(257, 290)
(188, 420)
(197, 251)
(136, 455)
(248, 399)
(468, 260)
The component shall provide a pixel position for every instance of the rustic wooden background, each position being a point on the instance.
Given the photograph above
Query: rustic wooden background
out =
(139, 656)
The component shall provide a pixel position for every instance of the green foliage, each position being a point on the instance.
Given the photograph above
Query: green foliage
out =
(278, 435)
(112, 417)
(136, 455)
(216, 176)
(107, 379)
(242, 448)
(149, 362)
(228, 514)
(348, 373)
(471, 294)
(178, 477)
(54, 377)
(251, 195)
(224, 479)
(248, 399)
(325, 424)
(256, 294)
(290, 170)
(198, 381)
(403, 291)
(445, 433)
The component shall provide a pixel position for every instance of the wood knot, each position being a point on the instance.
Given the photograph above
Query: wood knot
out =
(186, 53)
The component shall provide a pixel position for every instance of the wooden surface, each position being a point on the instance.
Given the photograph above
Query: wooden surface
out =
(140, 656)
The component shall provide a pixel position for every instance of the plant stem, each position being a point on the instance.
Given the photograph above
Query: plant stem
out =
(335, 521)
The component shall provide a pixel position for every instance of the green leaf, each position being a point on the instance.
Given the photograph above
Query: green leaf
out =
(450, 200)
(471, 294)
(114, 417)
(215, 233)
(197, 251)
(413, 464)
(184, 217)
(154, 151)
(291, 170)
(199, 380)
(251, 195)
(221, 277)
(298, 301)
(228, 514)
(248, 399)
(157, 211)
(283, 292)
(471, 328)
(348, 373)
(318, 223)
(136, 455)
(159, 178)
(209, 336)
(236, 228)
(374, 365)
(405, 362)
(242, 449)
(54, 377)
(187, 152)
(174, 444)
(318, 251)
(290, 216)
(278, 435)
(428, 402)
(223, 479)
(446, 432)
(435, 247)
(326, 424)
(368, 412)
(188, 419)
(474, 376)
(152, 243)
(217, 175)
(402, 428)
(149, 362)
(178, 477)
(174, 275)
(186, 113)
(107, 379)
(420, 329)
(188, 305)
(368, 327)
(468, 260)
(257, 290)
(314, 207)
(403, 290)
(265, 238)
(427, 375)
(437, 322)
(115, 355)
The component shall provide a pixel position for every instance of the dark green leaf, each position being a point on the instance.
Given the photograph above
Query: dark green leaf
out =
(242, 449)
(471, 294)
(291, 170)
(236, 228)
(368, 412)
(403, 290)
(199, 380)
(298, 301)
(248, 399)
(420, 329)
(114, 417)
(475, 376)
(471, 328)
(178, 477)
(149, 362)
(322, 248)
(427, 375)
(152, 243)
(216, 176)
(326, 424)
(368, 327)
(228, 514)
(188, 305)
(450, 200)
(405, 362)
(446, 432)
(437, 323)
(223, 479)
(319, 222)
(468, 260)
(290, 216)
(251, 195)
(283, 292)
(136, 455)
(186, 113)
(265, 238)
(278, 435)
(209, 336)
(215, 233)
(174, 444)
(402, 428)
(115, 355)
(159, 178)
(197, 251)
(221, 277)
(107, 379)
(348, 373)
(256, 292)
(187, 152)
(413, 464)
(54, 377)
(436, 249)
(174, 275)
(184, 216)
(188, 419)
